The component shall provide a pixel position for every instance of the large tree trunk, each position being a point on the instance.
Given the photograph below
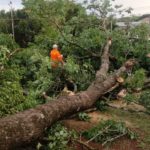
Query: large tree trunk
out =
(28, 126)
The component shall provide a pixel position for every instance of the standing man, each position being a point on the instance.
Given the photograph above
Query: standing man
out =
(56, 57)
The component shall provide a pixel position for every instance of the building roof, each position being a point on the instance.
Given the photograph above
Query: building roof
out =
(143, 17)
(121, 24)
(124, 24)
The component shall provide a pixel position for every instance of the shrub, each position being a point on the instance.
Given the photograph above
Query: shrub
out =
(84, 116)
(130, 98)
(6, 40)
(101, 105)
(136, 80)
(145, 99)
(11, 92)
(57, 138)
(3, 55)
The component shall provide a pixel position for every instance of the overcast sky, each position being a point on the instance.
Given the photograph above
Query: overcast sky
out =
(4, 4)
(139, 6)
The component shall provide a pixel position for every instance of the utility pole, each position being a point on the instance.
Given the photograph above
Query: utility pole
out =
(111, 25)
(12, 20)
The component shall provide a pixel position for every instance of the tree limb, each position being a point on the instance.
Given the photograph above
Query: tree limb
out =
(114, 138)
(2, 67)
(100, 132)
(84, 144)
(14, 52)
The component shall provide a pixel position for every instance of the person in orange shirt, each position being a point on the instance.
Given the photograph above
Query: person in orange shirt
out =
(56, 57)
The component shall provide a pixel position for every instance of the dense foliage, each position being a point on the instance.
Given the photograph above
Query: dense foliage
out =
(57, 138)
(136, 80)
(145, 99)
(80, 30)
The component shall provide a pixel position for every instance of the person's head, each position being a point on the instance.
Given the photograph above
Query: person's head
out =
(55, 46)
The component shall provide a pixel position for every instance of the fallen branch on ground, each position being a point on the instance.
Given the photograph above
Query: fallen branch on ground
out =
(84, 144)
(113, 139)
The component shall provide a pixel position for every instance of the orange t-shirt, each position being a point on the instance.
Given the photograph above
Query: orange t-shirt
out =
(55, 55)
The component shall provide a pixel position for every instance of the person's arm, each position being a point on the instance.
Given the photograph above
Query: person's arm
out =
(60, 58)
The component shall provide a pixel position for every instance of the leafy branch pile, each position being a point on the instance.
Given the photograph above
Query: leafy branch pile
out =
(145, 99)
(136, 80)
(108, 131)
(57, 138)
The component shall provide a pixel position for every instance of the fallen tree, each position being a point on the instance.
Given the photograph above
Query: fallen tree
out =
(27, 126)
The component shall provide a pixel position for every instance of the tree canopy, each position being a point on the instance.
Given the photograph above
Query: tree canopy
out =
(81, 31)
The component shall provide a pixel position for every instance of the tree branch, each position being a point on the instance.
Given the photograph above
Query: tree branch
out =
(114, 138)
(84, 144)
(8, 57)
(14, 52)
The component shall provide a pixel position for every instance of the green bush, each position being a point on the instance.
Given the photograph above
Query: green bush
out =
(145, 99)
(132, 43)
(136, 80)
(82, 74)
(12, 98)
(3, 55)
(83, 116)
(71, 66)
(11, 92)
(130, 98)
(57, 138)
(120, 46)
(6, 40)
(100, 105)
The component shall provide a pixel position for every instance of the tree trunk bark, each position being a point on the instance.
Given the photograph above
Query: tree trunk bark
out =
(27, 126)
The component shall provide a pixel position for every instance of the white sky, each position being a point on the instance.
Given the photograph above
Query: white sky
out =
(4, 4)
(139, 6)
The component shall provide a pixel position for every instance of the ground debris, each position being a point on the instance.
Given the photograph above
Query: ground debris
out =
(121, 104)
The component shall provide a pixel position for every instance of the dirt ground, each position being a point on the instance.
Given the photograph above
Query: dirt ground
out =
(139, 122)
(121, 144)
